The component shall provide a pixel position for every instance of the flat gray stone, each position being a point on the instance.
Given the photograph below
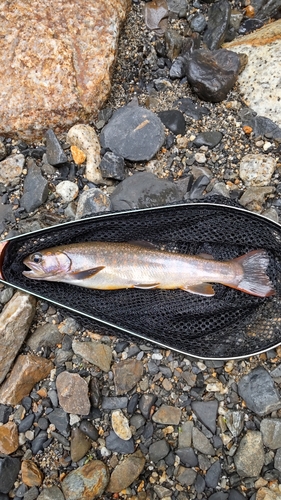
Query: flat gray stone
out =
(258, 390)
(133, 132)
(207, 412)
(271, 432)
(249, 457)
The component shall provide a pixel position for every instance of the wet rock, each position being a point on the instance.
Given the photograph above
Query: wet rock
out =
(155, 16)
(47, 335)
(173, 120)
(87, 482)
(257, 169)
(255, 197)
(201, 442)
(73, 393)
(9, 469)
(187, 457)
(186, 477)
(192, 109)
(51, 493)
(15, 320)
(91, 202)
(11, 168)
(210, 139)
(55, 153)
(27, 371)
(96, 353)
(213, 475)
(112, 166)
(115, 443)
(212, 74)
(120, 425)
(133, 132)
(218, 22)
(167, 415)
(6, 215)
(85, 138)
(235, 422)
(249, 457)
(80, 445)
(60, 419)
(271, 433)
(9, 438)
(258, 390)
(46, 95)
(185, 435)
(259, 81)
(89, 429)
(158, 450)
(143, 190)
(35, 189)
(31, 474)
(67, 190)
(126, 472)
(206, 412)
(127, 374)
(198, 23)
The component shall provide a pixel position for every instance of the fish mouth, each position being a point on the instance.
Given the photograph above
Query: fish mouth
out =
(33, 272)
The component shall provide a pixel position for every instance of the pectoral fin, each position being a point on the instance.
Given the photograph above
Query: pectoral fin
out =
(83, 275)
(145, 286)
(201, 289)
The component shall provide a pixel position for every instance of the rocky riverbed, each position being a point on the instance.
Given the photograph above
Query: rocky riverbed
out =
(84, 415)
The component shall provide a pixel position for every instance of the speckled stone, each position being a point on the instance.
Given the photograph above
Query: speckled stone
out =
(63, 60)
(250, 455)
(260, 80)
(257, 169)
(87, 482)
(73, 393)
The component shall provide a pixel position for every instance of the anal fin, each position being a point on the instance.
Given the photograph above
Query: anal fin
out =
(88, 273)
(148, 286)
(200, 289)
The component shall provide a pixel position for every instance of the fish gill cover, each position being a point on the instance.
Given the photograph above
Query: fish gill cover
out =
(229, 324)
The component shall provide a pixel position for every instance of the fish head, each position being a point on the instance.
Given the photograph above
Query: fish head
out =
(47, 265)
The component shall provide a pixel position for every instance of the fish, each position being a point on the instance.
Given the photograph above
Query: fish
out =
(117, 265)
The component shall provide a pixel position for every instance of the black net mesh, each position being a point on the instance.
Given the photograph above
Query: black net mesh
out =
(229, 324)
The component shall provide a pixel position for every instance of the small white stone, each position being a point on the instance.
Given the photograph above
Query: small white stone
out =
(267, 145)
(86, 139)
(73, 419)
(157, 355)
(11, 168)
(257, 169)
(200, 157)
(67, 190)
(120, 425)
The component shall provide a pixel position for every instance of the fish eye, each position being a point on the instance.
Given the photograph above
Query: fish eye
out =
(37, 258)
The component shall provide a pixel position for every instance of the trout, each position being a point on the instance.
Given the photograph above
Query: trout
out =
(112, 266)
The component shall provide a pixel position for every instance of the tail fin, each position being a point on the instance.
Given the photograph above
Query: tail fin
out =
(255, 280)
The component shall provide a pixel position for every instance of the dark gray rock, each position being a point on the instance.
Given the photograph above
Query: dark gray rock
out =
(43, 423)
(51, 493)
(210, 139)
(218, 21)
(261, 125)
(91, 202)
(112, 166)
(35, 189)
(38, 442)
(191, 108)
(6, 215)
(198, 23)
(133, 132)
(219, 495)
(198, 187)
(89, 429)
(173, 120)
(249, 25)
(235, 495)
(60, 419)
(186, 476)
(114, 402)
(115, 443)
(271, 432)
(5, 412)
(199, 484)
(213, 475)
(9, 469)
(47, 335)
(158, 450)
(258, 391)
(26, 423)
(21, 490)
(277, 460)
(31, 494)
(55, 153)
(145, 404)
(144, 190)
(264, 9)
(206, 412)
(3, 496)
(187, 457)
(177, 70)
(212, 74)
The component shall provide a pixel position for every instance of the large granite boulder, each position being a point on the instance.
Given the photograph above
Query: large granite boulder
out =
(260, 80)
(56, 61)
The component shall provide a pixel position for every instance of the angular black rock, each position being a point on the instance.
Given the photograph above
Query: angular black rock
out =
(89, 429)
(26, 423)
(219, 495)
(133, 132)
(210, 139)
(35, 189)
(143, 190)
(264, 9)
(177, 68)
(145, 404)
(249, 25)
(187, 457)
(218, 21)
(199, 484)
(114, 402)
(115, 443)
(258, 391)
(38, 442)
(55, 153)
(213, 475)
(206, 412)
(5, 412)
(190, 108)
(212, 74)
(198, 23)
(198, 187)
(173, 120)
(9, 469)
(260, 124)
(235, 495)
(112, 166)
(60, 419)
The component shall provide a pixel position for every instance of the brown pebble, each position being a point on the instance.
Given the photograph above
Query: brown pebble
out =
(31, 474)
(78, 156)
(9, 438)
